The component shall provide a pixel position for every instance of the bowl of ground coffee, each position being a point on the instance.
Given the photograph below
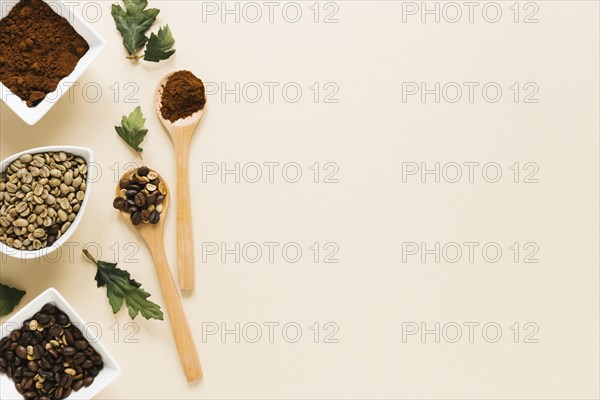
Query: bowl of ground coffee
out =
(47, 351)
(45, 46)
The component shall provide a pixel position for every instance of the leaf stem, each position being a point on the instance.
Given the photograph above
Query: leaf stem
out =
(89, 257)
(136, 58)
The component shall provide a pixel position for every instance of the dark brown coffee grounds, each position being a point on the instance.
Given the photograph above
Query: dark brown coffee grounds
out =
(38, 48)
(182, 96)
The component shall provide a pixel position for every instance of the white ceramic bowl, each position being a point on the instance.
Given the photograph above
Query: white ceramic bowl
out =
(107, 375)
(32, 115)
(87, 155)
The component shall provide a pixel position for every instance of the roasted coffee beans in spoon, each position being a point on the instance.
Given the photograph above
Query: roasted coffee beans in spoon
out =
(141, 195)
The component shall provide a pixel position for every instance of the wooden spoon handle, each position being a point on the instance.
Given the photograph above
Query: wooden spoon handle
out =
(185, 233)
(179, 324)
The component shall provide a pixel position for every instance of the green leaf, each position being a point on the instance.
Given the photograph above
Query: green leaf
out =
(133, 22)
(9, 298)
(120, 287)
(131, 130)
(160, 46)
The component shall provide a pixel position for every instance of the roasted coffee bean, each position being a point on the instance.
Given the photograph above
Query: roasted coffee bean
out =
(136, 218)
(26, 384)
(78, 385)
(150, 200)
(119, 203)
(88, 381)
(140, 200)
(139, 180)
(21, 352)
(79, 358)
(30, 394)
(66, 381)
(45, 363)
(15, 335)
(54, 353)
(42, 318)
(78, 369)
(131, 193)
(89, 351)
(55, 330)
(154, 217)
(28, 374)
(49, 309)
(68, 336)
(47, 377)
(97, 359)
(143, 171)
(87, 364)
(94, 371)
(33, 366)
(81, 344)
(69, 351)
(146, 216)
(62, 319)
(25, 338)
(37, 337)
(4, 343)
(124, 183)
(76, 333)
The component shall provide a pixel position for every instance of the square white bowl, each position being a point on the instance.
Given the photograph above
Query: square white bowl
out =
(107, 375)
(82, 152)
(31, 115)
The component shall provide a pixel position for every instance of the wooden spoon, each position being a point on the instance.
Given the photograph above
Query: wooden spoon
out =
(181, 132)
(153, 236)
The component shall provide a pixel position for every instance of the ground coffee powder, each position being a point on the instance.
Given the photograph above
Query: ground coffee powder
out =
(182, 96)
(38, 48)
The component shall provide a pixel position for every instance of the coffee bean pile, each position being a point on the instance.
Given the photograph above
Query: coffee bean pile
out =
(142, 196)
(49, 358)
(40, 196)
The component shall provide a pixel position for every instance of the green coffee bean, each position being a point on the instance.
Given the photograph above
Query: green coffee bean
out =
(40, 196)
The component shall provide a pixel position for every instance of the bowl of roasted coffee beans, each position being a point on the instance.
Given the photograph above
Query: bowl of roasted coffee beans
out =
(43, 196)
(141, 194)
(48, 352)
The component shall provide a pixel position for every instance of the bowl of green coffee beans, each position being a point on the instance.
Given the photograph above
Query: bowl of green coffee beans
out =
(43, 196)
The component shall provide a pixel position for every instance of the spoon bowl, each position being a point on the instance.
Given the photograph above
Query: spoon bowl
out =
(146, 230)
(181, 132)
(191, 121)
(153, 235)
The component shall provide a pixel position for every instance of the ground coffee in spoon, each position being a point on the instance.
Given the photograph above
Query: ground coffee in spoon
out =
(183, 95)
(38, 48)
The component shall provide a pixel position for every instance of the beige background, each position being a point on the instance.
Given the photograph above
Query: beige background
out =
(369, 213)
